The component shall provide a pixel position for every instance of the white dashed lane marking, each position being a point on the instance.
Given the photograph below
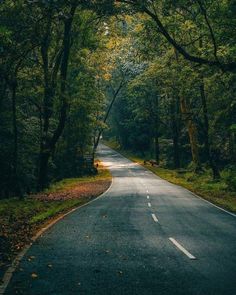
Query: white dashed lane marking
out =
(154, 218)
(182, 249)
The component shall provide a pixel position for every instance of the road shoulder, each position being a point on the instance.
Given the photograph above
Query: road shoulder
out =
(22, 221)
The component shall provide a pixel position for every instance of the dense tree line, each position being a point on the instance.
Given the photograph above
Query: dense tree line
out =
(181, 109)
(49, 100)
(159, 74)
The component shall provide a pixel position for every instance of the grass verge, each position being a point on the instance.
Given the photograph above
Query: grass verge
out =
(217, 192)
(21, 219)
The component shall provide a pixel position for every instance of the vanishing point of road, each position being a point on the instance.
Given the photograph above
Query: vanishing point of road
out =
(144, 236)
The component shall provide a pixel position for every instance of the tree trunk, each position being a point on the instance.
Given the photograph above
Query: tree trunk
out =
(115, 94)
(48, 144)
(232, 147)
(157, 148)
(43, 169)
(192, 132)
(156, 129)
(214, 168)
(176, 149)
(64, 70)
(15, 139)
(175, 132)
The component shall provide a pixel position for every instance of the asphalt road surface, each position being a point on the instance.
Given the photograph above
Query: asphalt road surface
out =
(144, 236)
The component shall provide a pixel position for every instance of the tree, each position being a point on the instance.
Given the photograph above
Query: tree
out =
(183, 14)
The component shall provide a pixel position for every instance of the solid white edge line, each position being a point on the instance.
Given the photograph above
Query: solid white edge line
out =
(154, 218)
(224, 210)
(182, 249)
(11, 269)
(149, 205)
(197, 196)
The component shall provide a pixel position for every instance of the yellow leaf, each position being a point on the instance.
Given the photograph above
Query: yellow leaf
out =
(34, 275)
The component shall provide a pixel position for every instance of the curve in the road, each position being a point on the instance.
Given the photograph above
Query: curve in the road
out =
(145, 236)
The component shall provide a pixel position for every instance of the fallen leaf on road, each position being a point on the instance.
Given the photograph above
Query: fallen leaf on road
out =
(34, 275)
(31, 258)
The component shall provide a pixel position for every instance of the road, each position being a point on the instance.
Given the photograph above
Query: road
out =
(144, 236)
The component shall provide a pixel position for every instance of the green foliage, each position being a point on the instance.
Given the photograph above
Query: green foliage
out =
(166, 69)
(149, 118)
(34, 210)
(230, 179)
(47, 109)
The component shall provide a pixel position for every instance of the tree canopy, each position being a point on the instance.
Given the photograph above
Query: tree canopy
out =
(158, 76)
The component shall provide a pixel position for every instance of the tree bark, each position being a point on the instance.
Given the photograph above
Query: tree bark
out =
(47, 107)
(157, 148)
(97, 139)
(156, 129)
(175, 132)
(64, 70)
(214, 168)
(43, 168)
(48, 144)
(192, 132)
(15, 137)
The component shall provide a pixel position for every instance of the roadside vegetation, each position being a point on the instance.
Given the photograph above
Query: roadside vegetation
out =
(20, 219)
(157, 76)
(220, 192)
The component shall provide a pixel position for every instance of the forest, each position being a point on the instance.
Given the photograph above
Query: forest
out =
(155, 78)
